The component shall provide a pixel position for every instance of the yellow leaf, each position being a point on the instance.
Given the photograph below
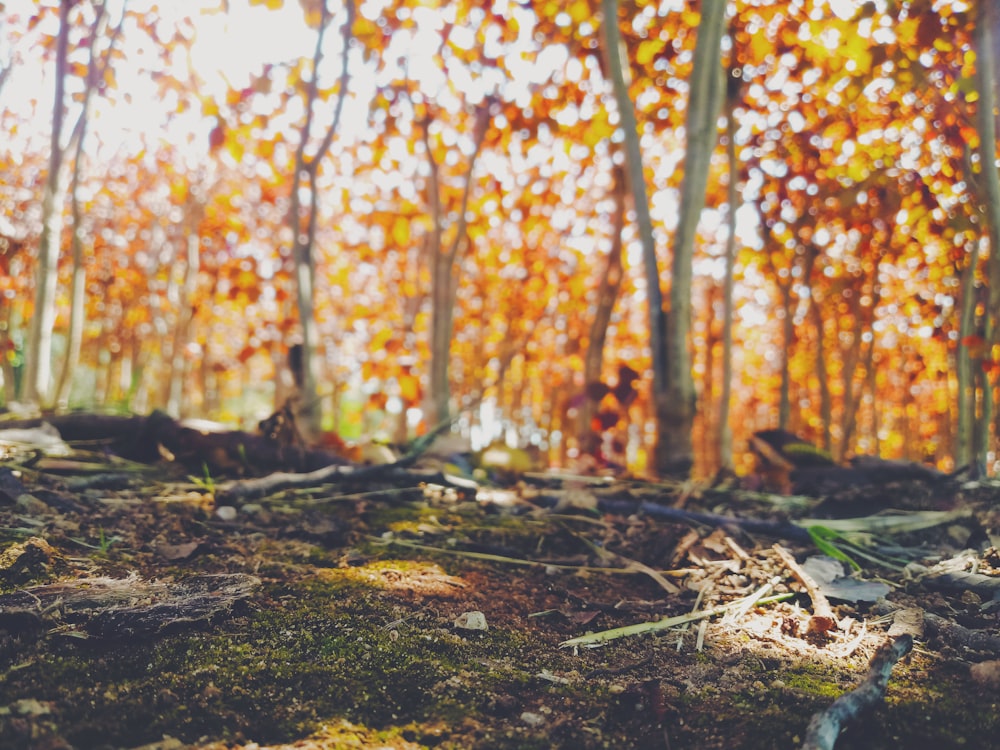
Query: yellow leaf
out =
(401, 232)
(235, 148)
(648, 50)
(580, 12)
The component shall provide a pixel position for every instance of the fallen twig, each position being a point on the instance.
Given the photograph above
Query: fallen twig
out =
(248, 489)
(823, 618)
(825, 727)
(774, 529)
(502, 559)
(821, 606)
(958, 636)
(593, 640)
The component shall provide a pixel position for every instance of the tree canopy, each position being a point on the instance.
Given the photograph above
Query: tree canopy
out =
(489, 134)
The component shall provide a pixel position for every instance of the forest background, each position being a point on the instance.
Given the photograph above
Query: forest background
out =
(441, 201)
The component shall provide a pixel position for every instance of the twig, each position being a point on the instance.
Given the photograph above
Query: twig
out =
(247, 489)
(641, 567)
(744, 605)
(825, 727)
(821, 605)
(593, 640)
(487, 557)
(958, 636)
(631, 564)
(775, 529)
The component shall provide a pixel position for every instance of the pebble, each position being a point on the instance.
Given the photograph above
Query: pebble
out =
(532, 719)
(226, 513)
(474, 620)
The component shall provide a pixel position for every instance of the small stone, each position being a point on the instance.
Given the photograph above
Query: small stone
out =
(31, 505)
(474, 620)
(986, 673)
(532, 719)
(226, 513)
(32, 707)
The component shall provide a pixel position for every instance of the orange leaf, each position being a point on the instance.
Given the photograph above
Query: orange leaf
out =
(217, 137)
(409, 389)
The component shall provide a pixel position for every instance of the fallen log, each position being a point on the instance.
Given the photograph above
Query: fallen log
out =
(825, 727)
(148, 439)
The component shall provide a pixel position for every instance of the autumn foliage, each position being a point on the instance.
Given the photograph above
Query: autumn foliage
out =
(487, 132)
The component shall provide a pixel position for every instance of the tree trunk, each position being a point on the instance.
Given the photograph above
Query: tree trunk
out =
(8, 370)
(963, 365)
(708, 463)
(787, 342)
(78, 286)
(182, 332)
(725, 446)
(304, 233)
(38, 374)
(607, 296)
(673, 388)
(444, 273)
(822, 377)
(701, 126)
(852, 391)
(986, 62)
(78, 289)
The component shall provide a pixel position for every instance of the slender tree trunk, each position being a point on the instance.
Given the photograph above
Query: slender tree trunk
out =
(850, 355)
(441, 320)
(822, 376)
(38, 374)
(871, 385)
(701, 127)
(852, 389)
(617, 64)
(607, 296)
(787, 342)
(7, 371)
(185, 316)
(986, 62)
(78, 285)
(673, 388)
(728, 303)
(444, 272)
(78, 289)
(303, 221)
(709, 441)
(966, 395)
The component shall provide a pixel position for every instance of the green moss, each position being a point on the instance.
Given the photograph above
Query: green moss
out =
(813, 683)
(277, 673)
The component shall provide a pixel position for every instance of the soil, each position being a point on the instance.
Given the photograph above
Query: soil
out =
(155, 605)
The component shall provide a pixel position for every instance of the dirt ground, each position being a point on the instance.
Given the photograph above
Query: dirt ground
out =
(151, 605)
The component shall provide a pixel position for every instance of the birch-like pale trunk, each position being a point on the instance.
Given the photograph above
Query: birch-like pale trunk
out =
(674, 454)
(96, 68)
(618, 71)
(673, 384)
(302, 220)
(444, 272)
(38, 354)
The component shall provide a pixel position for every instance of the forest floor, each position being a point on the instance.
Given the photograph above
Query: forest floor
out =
(145, 604)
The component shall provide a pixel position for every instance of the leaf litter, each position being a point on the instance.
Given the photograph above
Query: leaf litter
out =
(393, 607)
